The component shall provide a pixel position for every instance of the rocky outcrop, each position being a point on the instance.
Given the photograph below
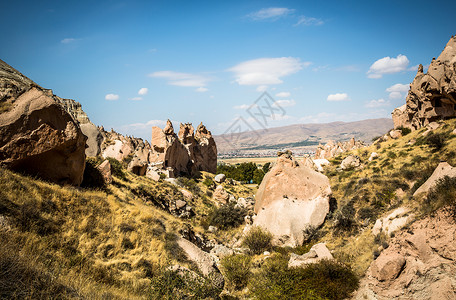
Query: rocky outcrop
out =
(186, 153)
(432, 95)
(394, 221)
(105, 170)
(39, 137)
(332, 149)
(350, 162)
(418, 264)
(442, 170)
(220, 195)
(291, 198)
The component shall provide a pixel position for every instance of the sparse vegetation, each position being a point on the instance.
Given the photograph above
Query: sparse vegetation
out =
(226, 216)
(236, 269)
(257, 240)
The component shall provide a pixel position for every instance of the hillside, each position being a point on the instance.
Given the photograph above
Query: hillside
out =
(301, 136)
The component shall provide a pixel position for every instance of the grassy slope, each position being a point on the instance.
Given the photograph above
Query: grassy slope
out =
(67, 242)
(380, 186)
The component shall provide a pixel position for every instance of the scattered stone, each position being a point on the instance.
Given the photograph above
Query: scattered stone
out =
(350, 162)
(442, 170)
(373, 156)
(153, 174)
(220, 195)
(219, 178)
(320, 163)
(395, 134)
(397, 219)
(212, 229)
(387, 267)
(221, 251)
(180, 204)
(315, 254)
(307, 202)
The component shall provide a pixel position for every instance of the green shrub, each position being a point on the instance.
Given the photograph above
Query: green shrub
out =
(236, 269)
(443, 194)
(226, 216)
(404, 130)
(208, 182)
(266, 167)
(190, 184)
(435, 140)
(257, 240)
(391, 155)
(327, 279)
(176, 284)
(344, 219)
(116, 168)
(258, 175)
(92, 177)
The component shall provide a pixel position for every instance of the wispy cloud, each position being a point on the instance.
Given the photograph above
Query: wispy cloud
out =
(283, 95)
(181, 79)
(143, 91)
(338, 97)
(388, 65)
(68, 40)
(136, 98)
(202, 89)
(284, 103)
(266, 71)
(309, 21)
(398, 90)
(271, 13)
(111, 97)
(377, 103)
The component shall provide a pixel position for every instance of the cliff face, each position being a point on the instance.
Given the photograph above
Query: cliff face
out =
(432, 96)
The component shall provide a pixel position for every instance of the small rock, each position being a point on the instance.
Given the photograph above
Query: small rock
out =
(180, 204)
(395, 134)
(315, 254)
(221, 195)
(219, 178)
(387, 267)
(212, 229)
(373, 156)
(266, 253)
(351, 161)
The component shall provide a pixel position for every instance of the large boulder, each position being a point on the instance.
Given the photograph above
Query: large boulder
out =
(315, 254)
(291, 198)
(39, 137)
(350, 162)
(105, 170)
(394, 221)
(432, 95)
(442, 170)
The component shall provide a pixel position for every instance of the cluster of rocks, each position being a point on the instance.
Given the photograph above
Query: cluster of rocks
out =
(332, 148)
(432, 95)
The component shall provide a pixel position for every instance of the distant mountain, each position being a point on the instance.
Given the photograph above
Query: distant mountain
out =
(303, 137)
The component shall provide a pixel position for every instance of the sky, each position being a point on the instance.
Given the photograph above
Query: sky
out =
(134, 64)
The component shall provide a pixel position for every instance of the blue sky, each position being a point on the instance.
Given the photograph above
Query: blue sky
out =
(134, 64)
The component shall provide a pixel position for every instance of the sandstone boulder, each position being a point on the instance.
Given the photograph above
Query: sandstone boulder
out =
(39, 137)
(220, 195)
(350, 162)
(387, 266)
(442, 170)
(203, 261)
(315, 254)
(397, 219)
(105, 170)
(219, 178)
(291, 198)
(373, 156)
(395, 134)
(320, 163)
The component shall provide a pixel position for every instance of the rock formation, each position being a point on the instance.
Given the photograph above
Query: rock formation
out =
(37, 135)
(442, 170)
(315, 254)
(432, 96)
(291, 199)
(184, 154)
(332, 149)
(418, 264)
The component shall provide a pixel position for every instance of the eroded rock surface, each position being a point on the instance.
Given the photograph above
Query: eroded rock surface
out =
(332, 149)
(432, 95)
(290, 199)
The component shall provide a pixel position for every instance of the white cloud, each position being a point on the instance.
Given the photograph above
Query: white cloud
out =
(265, 71)
(111, 97)
(398, 90)
(181, 79)
(68, 40)
(284, 103)
(309, 21)
(388, 65)
(242, 106)
(271, 13)
(143, 91)
(377, 103)
(338, 97)
(202, 89)
(262, 88)
(283, 95)
(136, 98)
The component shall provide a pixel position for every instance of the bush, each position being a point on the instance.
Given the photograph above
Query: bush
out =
(258, 175)
(208, 182)
(190, 184)
(175, 284)
(434, 140)
(116, 168)
(226, 216)
(258, 240)
(327, 279)
(236, 269)
(92, 178)
(344, 219)
(443, 194)
(404, 130)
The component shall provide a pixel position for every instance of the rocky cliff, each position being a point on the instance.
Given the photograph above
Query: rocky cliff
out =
(432, 95)
(332, 149)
